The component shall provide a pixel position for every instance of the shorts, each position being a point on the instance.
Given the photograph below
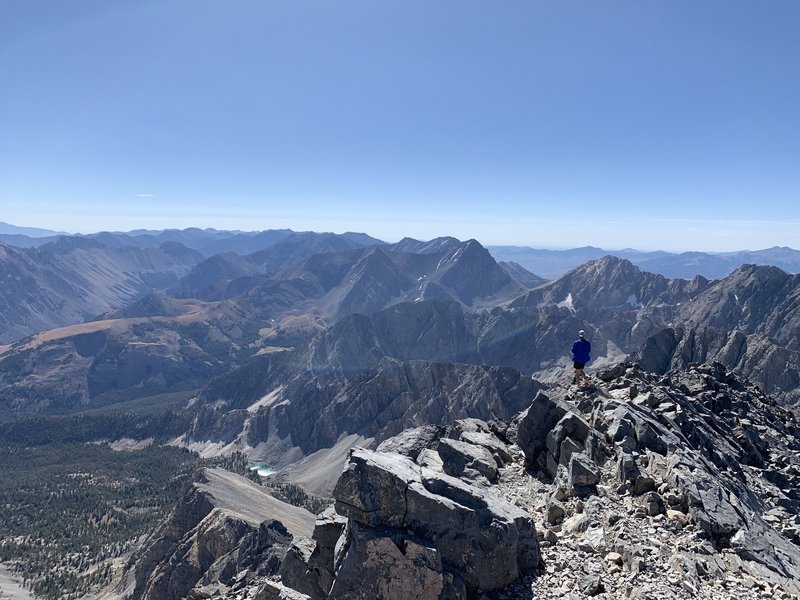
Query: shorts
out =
(578, 365)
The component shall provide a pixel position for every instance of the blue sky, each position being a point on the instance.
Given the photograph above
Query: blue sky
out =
(659, 124)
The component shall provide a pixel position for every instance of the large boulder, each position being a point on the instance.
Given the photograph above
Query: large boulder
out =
(462, 459)
(407, 523)
(383, 563)
(537, 422)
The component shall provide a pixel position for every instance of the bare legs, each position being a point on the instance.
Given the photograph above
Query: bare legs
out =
(581, 378)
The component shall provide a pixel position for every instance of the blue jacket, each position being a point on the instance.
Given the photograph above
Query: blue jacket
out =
(580, 351)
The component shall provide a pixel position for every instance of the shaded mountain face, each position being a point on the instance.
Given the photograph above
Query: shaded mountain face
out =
(32, 297)
(300, 246)
(367, 280)
(73, 279)
(521, 274)
(228, 275)
(104, 362)
(774, 367)
(749, 321)
(208, 276)
(283, 412)
(275, 251)
(752, 299)
(333, 285)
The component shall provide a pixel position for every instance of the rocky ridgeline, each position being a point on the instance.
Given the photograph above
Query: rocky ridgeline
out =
(682, 485)
(225, 533)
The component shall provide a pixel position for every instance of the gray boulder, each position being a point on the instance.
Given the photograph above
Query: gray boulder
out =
(489, 441)
(567, 436)
(385, 563)
(327, 531)
(583, 475)
(471, 538)
(536, 423)
(461, 459)
(413, 441)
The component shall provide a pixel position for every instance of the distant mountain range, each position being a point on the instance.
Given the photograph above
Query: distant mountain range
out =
(208, 315)
(73, 279)
(326, 319)
(551, 264)
(206, 241)
(342, 313)
(30, 232)
(543, 264)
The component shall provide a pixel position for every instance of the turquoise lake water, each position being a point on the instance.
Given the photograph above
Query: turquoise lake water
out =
(262, 469)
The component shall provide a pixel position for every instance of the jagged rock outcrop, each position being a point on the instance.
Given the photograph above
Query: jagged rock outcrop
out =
(698, 446)
(644, 485)
(775, 368)
(378, 403)
(401, 529)
(752, 299)
(611, 284)
(749, 321)
(226, 524)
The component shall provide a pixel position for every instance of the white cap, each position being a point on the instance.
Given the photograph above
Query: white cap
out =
(581, 333)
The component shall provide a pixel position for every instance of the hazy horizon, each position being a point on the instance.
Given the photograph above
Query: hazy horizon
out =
(390, 240)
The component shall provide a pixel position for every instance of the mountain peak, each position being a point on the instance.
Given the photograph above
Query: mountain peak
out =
(764, 271)
(440, 244)
(7, 228)
(609, 266)
(67, 243)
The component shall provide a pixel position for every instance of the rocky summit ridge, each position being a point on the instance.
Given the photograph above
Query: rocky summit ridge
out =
(642, 485)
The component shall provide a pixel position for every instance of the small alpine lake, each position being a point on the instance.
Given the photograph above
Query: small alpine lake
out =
(261, 468)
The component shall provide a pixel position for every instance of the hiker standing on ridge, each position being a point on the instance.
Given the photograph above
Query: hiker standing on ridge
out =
(581, 349)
